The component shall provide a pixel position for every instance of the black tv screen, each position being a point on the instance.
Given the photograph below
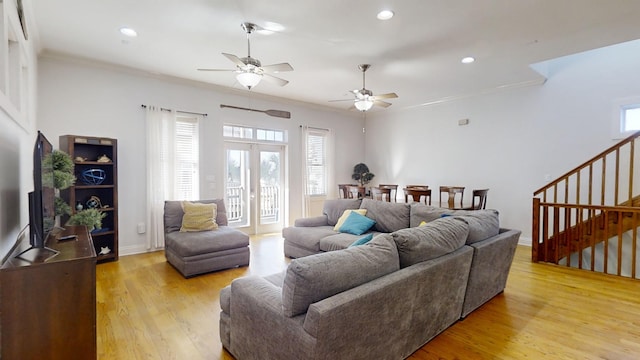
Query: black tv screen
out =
(41, 202)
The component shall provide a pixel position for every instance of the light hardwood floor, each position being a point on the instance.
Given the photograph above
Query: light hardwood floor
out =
(147, 310)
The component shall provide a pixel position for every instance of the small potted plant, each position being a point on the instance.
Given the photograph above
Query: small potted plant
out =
(361, 173)
(91, 218)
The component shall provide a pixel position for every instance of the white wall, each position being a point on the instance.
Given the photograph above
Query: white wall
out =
(81, 98)
(514, 137)
(17, 124)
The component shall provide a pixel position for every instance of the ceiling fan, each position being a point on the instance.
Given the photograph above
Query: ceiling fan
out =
(249, 70)
(365, 99)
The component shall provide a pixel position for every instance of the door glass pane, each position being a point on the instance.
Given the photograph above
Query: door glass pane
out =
(270, 187)
(238, 188)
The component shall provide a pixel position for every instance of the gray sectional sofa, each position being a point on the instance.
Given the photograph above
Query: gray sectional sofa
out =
(381, 300)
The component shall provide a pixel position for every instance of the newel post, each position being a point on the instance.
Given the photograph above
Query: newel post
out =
(535, 230)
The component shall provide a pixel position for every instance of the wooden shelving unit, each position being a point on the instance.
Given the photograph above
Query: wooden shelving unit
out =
(87, 152)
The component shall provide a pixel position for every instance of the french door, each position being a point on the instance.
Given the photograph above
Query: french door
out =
(254, 186)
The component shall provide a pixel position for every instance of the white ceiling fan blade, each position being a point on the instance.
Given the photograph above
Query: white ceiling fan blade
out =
(341, 100)
(275, 80)
(386, 96)
(276, 68)
(217, 70)
(236, 60)
(381, 103)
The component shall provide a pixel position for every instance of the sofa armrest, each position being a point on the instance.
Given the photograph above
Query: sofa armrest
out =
(312, 221)
(259, 329)
(490, 267)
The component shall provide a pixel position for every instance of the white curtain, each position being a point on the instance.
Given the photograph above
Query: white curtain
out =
(160, 124)
(306, 197)
(309, 206)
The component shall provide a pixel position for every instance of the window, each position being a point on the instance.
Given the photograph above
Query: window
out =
(630, 118)
(317, 162)
(186, 158)
(626, 117)
(256, 134)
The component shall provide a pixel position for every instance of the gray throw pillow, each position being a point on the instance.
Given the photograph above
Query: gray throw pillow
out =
(430, 241)
(334, 208)
(426, 213)
(316, 277)
(173, 213)
(483, 224)
(389, 217)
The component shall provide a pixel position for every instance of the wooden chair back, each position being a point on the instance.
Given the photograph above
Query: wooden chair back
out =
(452, 192)
(393, 188)
(355, 192)
(479, 199)
(381, 193)
(342, 190)
(424, 187)
(417, 194)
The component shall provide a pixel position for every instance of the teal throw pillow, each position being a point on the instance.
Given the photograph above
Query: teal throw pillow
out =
(363, 240)
(356, 224)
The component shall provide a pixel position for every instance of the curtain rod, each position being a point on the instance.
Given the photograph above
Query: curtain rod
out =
(314, 128)
(185, 112)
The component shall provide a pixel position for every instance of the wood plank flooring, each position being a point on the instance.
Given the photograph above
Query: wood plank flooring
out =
(147, 310)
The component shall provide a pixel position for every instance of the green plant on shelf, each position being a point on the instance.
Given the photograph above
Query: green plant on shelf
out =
(91, 218)
(61, 177)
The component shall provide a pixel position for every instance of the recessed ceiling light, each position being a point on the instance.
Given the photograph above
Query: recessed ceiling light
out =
(385, 15)
(128, 32)
(468, 60)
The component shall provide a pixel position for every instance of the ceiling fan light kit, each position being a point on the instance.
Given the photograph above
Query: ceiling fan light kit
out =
(248, 79)
(249, 70)
(363, 105)
(365, 99)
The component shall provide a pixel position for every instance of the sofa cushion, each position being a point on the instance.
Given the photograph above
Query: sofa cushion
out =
(173, 213)
(434, 239)
(339, 241)
(389, 217)
(198, 217)
(186, 244)
(307, 237)
(345, 215)
(422, 212)
(356, 224)
(334, 208)
(363, 240)
(483, 224)
(316, 277)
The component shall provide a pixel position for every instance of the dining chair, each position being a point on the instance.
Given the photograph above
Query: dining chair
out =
(342, 190)
(451, 192)
(417, 186)
(481, 196)
(393, 187)
(355, 192)
(417, 194)
(381, 193)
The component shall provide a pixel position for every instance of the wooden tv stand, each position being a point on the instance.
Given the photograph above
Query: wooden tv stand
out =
(48, 308)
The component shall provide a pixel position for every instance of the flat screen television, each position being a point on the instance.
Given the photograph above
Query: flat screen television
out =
(41, 203)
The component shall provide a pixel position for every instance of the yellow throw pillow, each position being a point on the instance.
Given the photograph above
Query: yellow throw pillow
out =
(198, 217)
(422, 223)
(345, 215)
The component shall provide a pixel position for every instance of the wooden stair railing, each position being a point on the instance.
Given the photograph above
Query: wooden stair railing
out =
(582, 208)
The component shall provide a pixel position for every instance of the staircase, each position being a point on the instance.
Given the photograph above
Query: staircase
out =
(589, 217)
